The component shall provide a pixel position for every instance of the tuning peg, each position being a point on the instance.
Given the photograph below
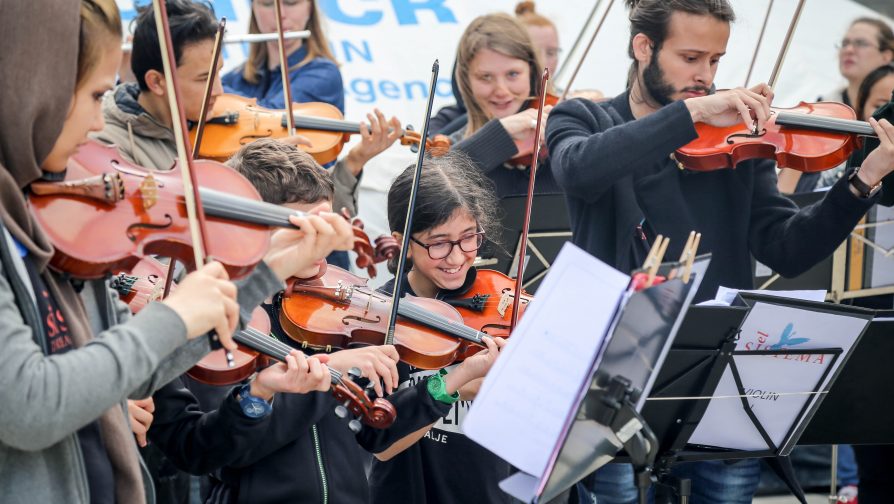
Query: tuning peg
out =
(355, 426)
(341, 411)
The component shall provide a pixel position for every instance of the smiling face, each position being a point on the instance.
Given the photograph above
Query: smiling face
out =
(859, 53)
(431, 275)
(500, 84)
(685, 65)
(85, 112)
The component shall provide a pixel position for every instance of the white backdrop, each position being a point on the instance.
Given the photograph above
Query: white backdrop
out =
(386, 47)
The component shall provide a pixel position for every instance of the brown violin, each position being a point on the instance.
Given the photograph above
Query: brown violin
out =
(255, 349)
(110, 213)
(236, 121)
(339, 311)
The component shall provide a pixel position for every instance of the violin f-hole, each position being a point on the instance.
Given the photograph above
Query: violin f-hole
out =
(131, 235)
(750, 134)
(363, 320)
(251, 138)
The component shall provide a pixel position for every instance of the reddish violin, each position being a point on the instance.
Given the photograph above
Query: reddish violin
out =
(236, 121)
(256, 347)
(339, 311)
(810, 137)
(526, 147)
(487, 306)
(109, 213)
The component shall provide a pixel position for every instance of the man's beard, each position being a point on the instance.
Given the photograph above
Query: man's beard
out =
(659, 90)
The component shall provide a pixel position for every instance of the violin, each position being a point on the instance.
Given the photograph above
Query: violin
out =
(255, 350)
(810, 137)
(487, 306)
(526, 146)
(109, 213)
(340, 311)
(236, 121)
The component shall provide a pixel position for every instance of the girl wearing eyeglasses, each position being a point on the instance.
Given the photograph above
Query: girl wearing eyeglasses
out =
(455, 209)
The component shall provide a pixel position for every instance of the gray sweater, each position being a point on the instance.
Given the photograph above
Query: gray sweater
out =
(46, 399)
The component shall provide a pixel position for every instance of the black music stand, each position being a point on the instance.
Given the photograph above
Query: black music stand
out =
(704, 348)
(549, 230)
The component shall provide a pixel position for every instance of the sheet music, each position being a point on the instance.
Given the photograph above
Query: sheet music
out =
(525, 401)
(726, 296)
(776, 385)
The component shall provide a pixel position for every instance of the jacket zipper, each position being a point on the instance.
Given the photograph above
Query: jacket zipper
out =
(319, 453)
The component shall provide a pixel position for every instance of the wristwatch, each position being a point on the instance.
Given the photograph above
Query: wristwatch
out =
(252, 406)
(865, 190)
(437, 387)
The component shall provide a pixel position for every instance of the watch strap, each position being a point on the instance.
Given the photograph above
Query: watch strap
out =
(864, 189)
(437, 388)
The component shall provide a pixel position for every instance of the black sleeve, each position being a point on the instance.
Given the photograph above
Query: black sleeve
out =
(199, 442)
(789, 241)
(443, 117)
(590, 151)
(415, 407)
(293, 416)
(489, 147)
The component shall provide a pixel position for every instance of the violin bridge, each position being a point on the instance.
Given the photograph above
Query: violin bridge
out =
(148, 191)
(505, 302)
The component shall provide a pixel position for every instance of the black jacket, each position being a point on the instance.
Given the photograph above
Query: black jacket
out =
(617, 174)
(302, 452)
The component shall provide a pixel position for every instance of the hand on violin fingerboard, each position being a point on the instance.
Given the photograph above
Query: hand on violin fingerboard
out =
(375, 136)
(293, 252)
(376, 363)
(879, 162)
(733, 106)
(297, 375)
(475, 366)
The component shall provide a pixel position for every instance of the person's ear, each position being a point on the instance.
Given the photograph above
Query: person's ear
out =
(156, 83)
(642, 48)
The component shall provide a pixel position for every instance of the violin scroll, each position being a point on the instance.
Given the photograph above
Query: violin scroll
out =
(378, 413)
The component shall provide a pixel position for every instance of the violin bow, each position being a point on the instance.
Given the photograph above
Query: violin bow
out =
(209, 85)
(284, 69)
(411, 206)
(760, 39)
(529, 202)
(583, 56)
(786, 43)
(578, 38)
(194, 210)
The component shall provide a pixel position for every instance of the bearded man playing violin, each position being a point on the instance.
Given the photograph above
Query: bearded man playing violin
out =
(613, 159)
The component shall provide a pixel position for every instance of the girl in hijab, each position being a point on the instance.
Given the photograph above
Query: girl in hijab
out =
(74, 354)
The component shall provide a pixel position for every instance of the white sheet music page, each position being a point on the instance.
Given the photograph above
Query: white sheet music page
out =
(528, 397)
(777, 386)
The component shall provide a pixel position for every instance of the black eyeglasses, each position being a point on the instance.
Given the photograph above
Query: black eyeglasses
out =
(442, 249)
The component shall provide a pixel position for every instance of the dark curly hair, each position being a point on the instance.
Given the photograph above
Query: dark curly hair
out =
(448, 183)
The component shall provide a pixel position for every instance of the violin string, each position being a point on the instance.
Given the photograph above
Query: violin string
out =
(417, 314)
(273, 347)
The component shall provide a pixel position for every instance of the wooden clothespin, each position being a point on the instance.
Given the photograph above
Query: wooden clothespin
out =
(659, 248)
(690, 257)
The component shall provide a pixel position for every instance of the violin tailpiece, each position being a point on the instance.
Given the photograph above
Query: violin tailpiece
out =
(107, 188)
